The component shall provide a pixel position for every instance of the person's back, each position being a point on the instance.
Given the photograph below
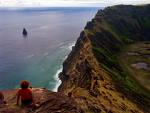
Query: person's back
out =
(25, 94)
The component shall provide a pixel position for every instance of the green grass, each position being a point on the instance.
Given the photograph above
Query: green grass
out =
(123, 77)
(127, 60)
(112, 61)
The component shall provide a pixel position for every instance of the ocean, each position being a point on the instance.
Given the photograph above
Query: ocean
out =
(38, 57)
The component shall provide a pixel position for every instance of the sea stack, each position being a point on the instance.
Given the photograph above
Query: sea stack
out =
(25, 33)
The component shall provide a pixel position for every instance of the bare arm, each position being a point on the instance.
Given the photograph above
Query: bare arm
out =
(18, 98)
(33, 101)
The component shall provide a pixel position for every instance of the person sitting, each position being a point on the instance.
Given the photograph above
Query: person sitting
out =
(25, 93)
(2, 99)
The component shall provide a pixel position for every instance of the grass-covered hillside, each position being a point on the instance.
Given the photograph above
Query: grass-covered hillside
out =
(120, 37)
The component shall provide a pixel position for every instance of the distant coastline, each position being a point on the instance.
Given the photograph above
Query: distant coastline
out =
(43, 9)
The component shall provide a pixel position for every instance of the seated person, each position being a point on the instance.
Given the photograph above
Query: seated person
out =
(25, 93)
(2, 99)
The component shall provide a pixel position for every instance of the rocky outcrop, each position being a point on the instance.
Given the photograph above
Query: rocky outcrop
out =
(48, 102)
(24, 32)
(93, 73)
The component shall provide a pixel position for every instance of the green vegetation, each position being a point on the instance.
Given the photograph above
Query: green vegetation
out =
(121, 75)
(139, 53)
(114, 30)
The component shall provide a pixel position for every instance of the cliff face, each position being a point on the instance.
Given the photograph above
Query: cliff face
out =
(94, 74)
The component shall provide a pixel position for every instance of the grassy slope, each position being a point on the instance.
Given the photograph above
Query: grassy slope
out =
(141, 75)
(112, 30)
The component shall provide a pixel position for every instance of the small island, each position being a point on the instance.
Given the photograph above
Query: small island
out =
(24, 33)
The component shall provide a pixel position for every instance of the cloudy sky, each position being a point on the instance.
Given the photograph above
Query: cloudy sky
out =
(42, 3)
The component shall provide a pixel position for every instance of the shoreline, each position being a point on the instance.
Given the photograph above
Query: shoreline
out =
(58, 81)
(56, 76)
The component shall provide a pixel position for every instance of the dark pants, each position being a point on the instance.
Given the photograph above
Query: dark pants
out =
(26, 102)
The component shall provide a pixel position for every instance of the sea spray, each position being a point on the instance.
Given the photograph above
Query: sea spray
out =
(57, 79)
(71, 45)
(56, 76)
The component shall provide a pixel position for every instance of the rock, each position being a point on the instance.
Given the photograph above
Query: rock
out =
(48, 102)
(25, 33)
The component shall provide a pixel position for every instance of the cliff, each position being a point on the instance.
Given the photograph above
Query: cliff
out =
(98, 74)
(107, 71)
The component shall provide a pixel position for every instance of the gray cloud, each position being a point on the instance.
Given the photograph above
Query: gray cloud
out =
(69, 2)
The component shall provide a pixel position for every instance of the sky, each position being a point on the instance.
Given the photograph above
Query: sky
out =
(68, 3)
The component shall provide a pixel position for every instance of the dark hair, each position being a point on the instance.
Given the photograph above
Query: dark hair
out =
(24, 84)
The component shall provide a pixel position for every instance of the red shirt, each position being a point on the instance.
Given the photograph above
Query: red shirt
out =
(26, 94)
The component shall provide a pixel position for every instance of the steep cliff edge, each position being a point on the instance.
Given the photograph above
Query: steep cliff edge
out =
(94, 74)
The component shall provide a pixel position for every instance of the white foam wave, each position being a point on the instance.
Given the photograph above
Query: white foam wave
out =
(68, 46)
(45, 54)
(71, 45)
(65, 57)
(43, 27)
(57, 79)
(30, 56)
(61, 44)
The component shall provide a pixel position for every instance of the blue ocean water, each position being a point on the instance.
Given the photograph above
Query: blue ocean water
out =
(38, 58)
